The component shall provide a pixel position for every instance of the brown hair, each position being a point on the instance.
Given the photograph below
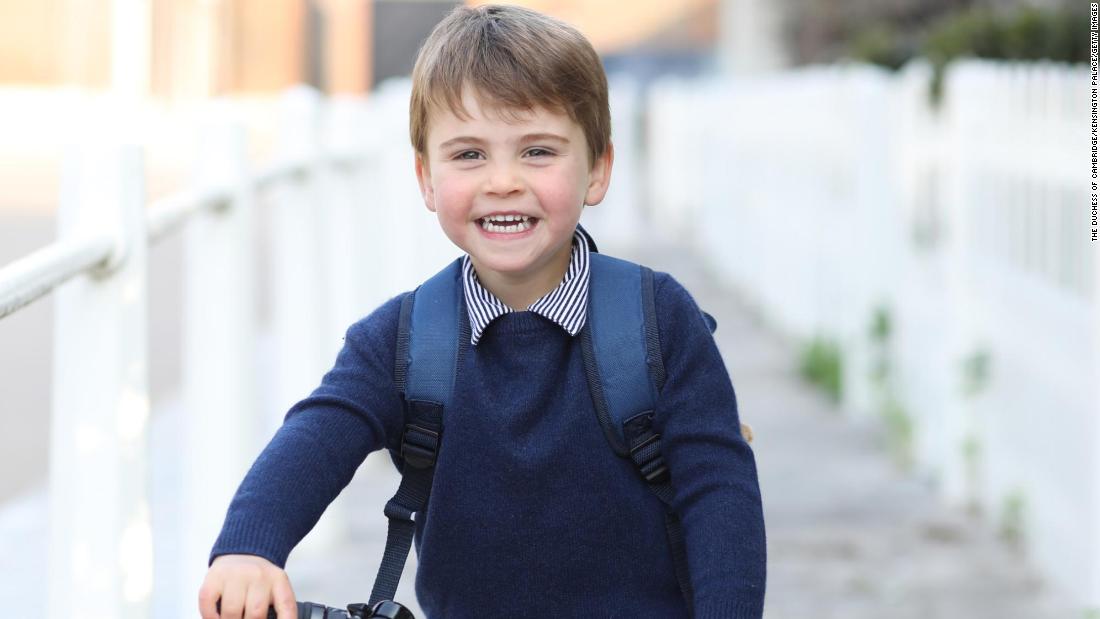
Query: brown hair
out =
(515, 59)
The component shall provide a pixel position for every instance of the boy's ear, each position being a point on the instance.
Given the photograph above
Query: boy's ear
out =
(600, 176)
(424, 178)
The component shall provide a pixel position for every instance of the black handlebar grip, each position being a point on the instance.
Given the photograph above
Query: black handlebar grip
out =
(387, 609)
(308, 610)
(305, 610)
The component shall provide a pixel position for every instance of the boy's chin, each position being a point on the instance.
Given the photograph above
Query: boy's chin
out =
(504, 265)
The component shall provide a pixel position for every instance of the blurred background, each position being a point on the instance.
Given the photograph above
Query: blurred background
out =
(883, 203)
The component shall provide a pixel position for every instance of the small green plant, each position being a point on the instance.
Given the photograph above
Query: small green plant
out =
(880, 332)
(971, 452)
(820, 364)
(971, 447)
(898, 422)
(881, 327)
(976, 372)
(1013, 506)
(899, 433)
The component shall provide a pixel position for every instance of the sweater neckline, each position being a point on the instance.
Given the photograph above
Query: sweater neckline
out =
(523, 322)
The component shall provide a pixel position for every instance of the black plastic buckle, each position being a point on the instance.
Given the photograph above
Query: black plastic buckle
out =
(388, 609)
(419, 446)
(653, 468)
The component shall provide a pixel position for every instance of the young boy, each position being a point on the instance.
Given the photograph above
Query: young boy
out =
(531, 514)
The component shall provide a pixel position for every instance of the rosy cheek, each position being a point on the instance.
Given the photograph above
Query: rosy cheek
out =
(449, 192)
(562, 191)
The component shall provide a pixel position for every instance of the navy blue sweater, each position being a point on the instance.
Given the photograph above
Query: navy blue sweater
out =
(531, 513)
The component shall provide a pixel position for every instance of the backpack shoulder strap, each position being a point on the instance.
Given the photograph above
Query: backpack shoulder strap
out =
(429, 335)
(625, 371)
(624, 350)
(432, 330)
(620, 347)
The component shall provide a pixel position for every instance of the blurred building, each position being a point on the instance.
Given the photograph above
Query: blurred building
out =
(197, 48)
(752, 36)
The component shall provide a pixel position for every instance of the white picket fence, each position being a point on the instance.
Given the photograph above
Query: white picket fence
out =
(827, 192)
(322, 244)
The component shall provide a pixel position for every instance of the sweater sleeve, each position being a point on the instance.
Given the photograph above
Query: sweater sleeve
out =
(322, 441)
(712, 468)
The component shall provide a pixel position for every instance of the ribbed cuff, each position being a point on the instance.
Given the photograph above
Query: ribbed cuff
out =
(724, 609)
(251, 538)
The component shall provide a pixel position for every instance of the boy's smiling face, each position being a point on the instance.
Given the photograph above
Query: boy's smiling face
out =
(536, 166)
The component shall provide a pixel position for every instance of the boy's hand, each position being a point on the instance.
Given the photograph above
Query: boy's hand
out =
(246, 585)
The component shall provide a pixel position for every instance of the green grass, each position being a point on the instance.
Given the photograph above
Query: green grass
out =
(1013, 509)
(820, 364)
(976, 369)
(899, 433)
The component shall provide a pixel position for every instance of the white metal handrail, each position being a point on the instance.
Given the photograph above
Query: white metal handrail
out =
(280, 170)
(29, 278)
(168, 214)
(34, 276)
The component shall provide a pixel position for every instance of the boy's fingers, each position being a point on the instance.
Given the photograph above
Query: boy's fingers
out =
(208, 598)
(233, 601)
(257, 601)
(285, 605)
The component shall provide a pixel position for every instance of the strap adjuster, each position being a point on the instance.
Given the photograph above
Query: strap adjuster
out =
(419, 446)
(648, 459)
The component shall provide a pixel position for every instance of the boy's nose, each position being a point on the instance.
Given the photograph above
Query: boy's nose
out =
(503, 179)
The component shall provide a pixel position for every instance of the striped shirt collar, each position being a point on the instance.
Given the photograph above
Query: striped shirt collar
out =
(566, 305)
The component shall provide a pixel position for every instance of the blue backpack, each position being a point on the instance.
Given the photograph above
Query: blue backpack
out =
(622, 361)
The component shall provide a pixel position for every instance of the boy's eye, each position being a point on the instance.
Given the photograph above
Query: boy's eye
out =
(466, 154)
(539, 152)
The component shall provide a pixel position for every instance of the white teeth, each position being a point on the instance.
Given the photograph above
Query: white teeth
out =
(507, 218)
(513, 228)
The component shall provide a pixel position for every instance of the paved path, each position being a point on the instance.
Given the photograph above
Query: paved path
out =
(848, 536)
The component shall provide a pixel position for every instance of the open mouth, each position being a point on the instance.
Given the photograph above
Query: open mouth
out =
(512, 224)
